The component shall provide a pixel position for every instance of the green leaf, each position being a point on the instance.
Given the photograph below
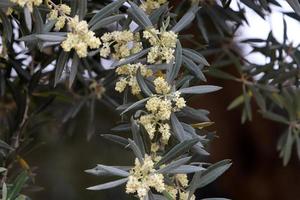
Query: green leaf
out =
(139, 16)
(173, 165)
(178, 150)
(203, 89)
(4, 191)
(174, 70)
(220, 74)
(136, 133)
(193, 68)
(236, 102)
(106, 11)
(195, 56)
(74, 68)
(18, 184)
(186, 169)
(202, 179)
(275, 117)
(136, 104)
(136, 150)
(295, 5)
(184, 21)
(110, 170)
(82, 8)
(109, 185)
(7, 26)
(177, 128)
(116, 139)
(144, 87)
(130, 59)
(60, 65)
(28, 19)
(107, 21)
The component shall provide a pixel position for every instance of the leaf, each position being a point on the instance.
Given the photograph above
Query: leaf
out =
(184, 21)
(195, 56)
(178, 150)
(194, 69)
(18, 184)
(107, 21)
(116, 139)
(38, 20)
(157, 13)
(177, 128)
(275, 117)
(99, 171)
(82, 8)
(295, 5)
(201, 179)
(236, 102)
(5, 145)
(203, 89)
(104, 12)
(49, 37)
(131, 58)
(136, 150)
(173, 72)
(139, 16)
(113, 171)
(7, 26)
(28, 19)
(109, 185)
(220, 74)
(186, 169)
(4, 191)
(74, 68)
(144, 87)
(60, 65)
(132, 106)
(173, 165)
(136, 133)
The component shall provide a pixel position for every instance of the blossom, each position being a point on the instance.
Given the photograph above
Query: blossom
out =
(128, 77)
(182, 179)
(124, 44)
(150, 5)
(163, 44)
(143, 177)
(81, 38)
(161, 86)
(28, 3)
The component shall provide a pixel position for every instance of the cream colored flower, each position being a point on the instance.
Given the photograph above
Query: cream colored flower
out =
(80, 38)
(163, 44)
(143, 177)
(128, 77)
(29, 3)
(182, 179)
(150, 5)
(161, 86)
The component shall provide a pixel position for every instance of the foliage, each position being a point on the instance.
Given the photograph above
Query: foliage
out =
(136, 58)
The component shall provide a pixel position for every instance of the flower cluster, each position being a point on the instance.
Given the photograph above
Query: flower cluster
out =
(128, 77)
(160, 108)
(143, 177)
(97, 88)
(59, 13)
(81, 38)
(150, 5)
(178, 191)
(163, 44)
(28, 3)
(124, 43)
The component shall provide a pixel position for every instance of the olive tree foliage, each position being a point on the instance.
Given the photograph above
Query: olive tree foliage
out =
(133, 57)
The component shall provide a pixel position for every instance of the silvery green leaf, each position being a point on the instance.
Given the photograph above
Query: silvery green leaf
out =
(195, 56)
(201, 179)
(202, 89)
(116, 139)
(194, 68)
(178, 150)
(109, 185)
(107, 21)
(74, 68)
(130, 59)
(186, 169)
(174, 70)
(28, 19)
(139, 16)
(6, 3)
(177, 128)
(295, 5)
(17, 185)
(122, 128)
(157, 13)
(2, 169)
(136, 133)
(60, 65)
(275, 117)
(7, 26)
(82, 8)
(49, 25)
(135, 105)
(144, 87)
(173, 165)
(158, 66)
(50, 37)
(215, 199)
(197, 114)
(184, 21)
(38, 20)
(202, 27)
(110, 170)
(136, 150)
(4, 191)
(4, 145)
(99, 171)
(104, 12)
